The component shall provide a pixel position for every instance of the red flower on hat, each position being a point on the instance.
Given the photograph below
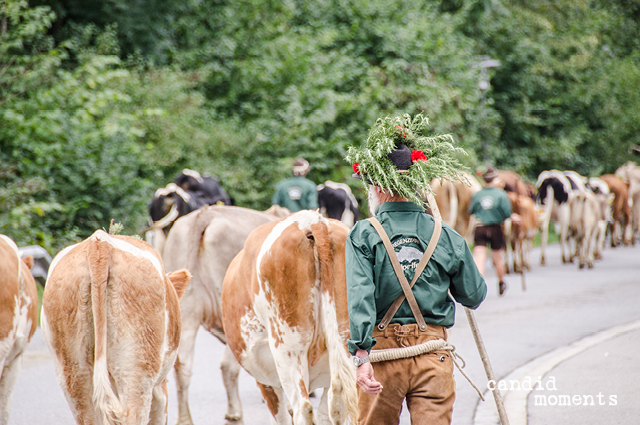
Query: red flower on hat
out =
(356, 167)
(403, 130)
(418, 155)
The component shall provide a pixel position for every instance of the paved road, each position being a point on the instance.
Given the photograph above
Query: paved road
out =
(562, 304)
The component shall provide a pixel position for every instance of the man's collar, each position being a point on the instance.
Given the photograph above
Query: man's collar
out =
(398, 206)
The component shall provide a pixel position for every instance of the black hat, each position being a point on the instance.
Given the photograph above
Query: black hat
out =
(400, 157)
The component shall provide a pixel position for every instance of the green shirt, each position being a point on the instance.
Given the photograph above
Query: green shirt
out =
(490, 205)
(295, 194)
(372, 284)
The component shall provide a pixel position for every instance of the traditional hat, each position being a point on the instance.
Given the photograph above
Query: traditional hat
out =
(301, 167)
(398, 158)
(490, 174)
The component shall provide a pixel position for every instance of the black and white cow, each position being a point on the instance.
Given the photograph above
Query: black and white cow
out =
(336, 201)
(189, 191)
(554, 193)
(206, 187)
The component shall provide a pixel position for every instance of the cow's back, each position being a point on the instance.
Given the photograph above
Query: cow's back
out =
(112, 323)
(621, 195)
(204, 242)
(285, 311)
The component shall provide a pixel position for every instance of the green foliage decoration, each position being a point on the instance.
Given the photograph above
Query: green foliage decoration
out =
(376, 168)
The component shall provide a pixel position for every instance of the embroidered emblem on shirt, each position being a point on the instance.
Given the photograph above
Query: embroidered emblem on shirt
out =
(295, 193)
(486, 203)
(405, 241)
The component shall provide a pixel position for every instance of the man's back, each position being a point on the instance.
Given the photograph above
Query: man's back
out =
(490, 205)
(295, 194)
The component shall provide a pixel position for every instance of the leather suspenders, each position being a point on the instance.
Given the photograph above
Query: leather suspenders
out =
(406, 287)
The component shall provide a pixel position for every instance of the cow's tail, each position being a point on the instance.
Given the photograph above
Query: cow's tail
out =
(106, 402)
(343, 395)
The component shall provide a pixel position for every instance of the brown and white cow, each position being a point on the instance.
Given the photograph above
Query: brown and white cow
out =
(630, 174)
(512, 182)
(621, 212)
(453, 199)
(521, 235)
(205, 242)
(601, 191)
(284, 307)
(111, 319)
(18, 317)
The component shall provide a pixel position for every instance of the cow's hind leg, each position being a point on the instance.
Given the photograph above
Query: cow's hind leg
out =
(9, 376)
(323, 409)
(295, 382)
(277, 404)
(158, 413)
(230, 371)
(183, 368)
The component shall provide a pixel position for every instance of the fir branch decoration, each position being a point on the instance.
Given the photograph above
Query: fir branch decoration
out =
(433, 157)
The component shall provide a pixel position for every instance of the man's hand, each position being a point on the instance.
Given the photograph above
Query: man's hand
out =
(516, 218)
(364, 377)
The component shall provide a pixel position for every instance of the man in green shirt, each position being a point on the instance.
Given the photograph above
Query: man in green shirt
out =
(297, 193)
(491, 207)
(382, 256)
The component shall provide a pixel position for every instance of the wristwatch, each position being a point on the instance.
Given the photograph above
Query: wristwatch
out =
(359, 361)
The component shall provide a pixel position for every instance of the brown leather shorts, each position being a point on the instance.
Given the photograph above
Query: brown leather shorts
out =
(491, 234)
(425, 381)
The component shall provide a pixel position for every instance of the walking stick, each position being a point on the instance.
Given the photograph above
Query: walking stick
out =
(524, 285)
(476, 335)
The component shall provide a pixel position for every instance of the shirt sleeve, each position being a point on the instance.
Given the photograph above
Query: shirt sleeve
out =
(360, 295)
(467, 284)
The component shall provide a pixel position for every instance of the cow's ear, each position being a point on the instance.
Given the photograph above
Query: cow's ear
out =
(28, 260)
(180, 279)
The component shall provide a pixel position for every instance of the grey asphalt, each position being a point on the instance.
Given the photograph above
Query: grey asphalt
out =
(598, 386)
(561, 304)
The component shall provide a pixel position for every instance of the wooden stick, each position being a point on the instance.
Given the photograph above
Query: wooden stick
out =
(524, 285)
(484, 356)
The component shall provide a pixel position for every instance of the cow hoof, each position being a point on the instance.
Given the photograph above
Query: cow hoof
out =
(233, 419)
(581, 266)
(542, 262)
(590, 264)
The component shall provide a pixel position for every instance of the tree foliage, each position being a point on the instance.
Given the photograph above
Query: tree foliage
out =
(103, 102)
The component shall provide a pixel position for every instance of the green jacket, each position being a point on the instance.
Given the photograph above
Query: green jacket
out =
(372, 284)
(490, 205)
(295, 194)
